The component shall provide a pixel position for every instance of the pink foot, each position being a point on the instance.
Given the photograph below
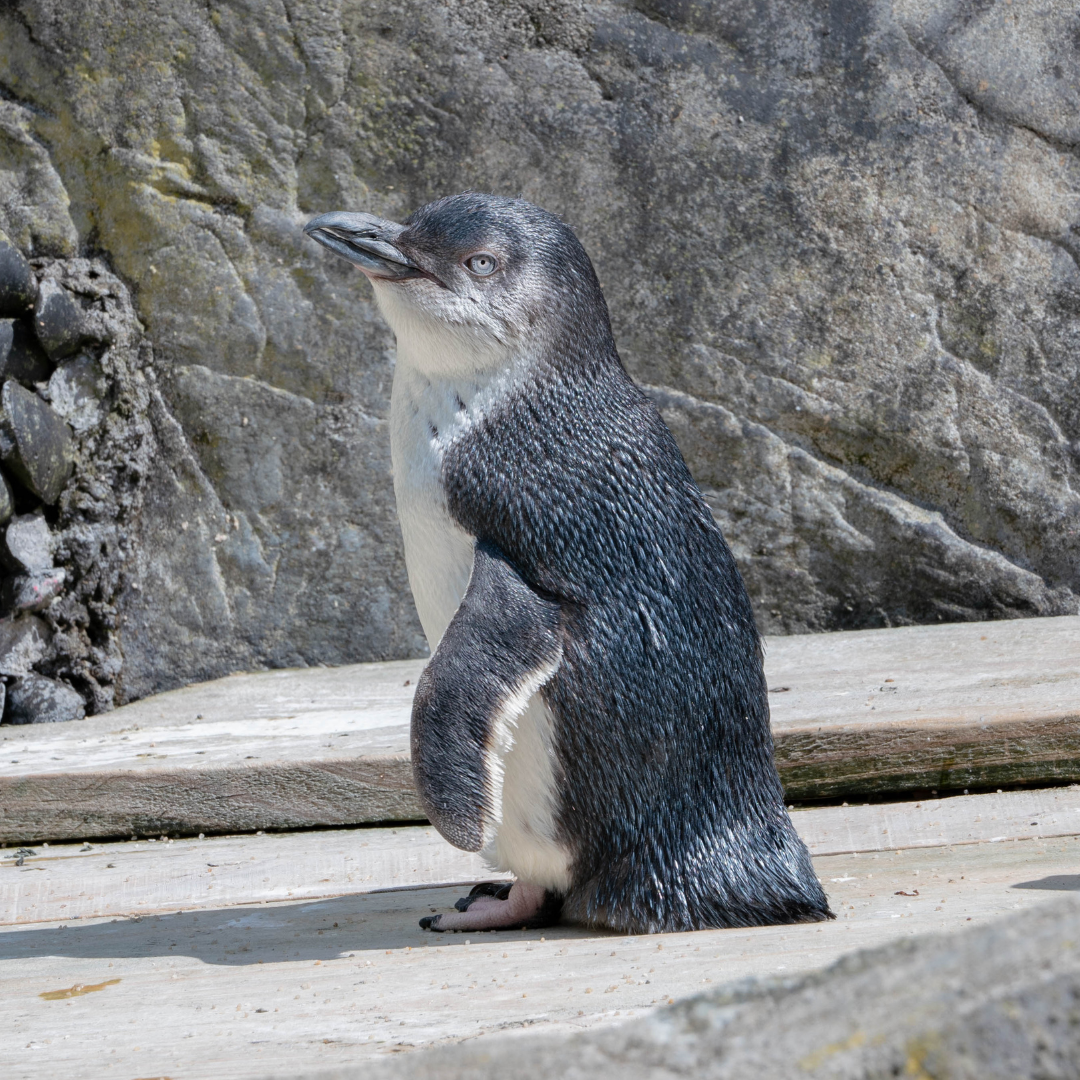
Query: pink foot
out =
(525, 907)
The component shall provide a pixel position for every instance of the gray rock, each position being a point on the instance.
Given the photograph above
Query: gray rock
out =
(18, 287)
(34, 699)
(35, 444)
(31, 592)
(839, 243)
(75, 393)
(62, 328)
(27, 544)
(996, 1003)
(26, 360)
(7, 500)
(23, 642)
(35, 209)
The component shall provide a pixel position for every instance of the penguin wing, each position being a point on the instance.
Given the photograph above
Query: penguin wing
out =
(503, 643)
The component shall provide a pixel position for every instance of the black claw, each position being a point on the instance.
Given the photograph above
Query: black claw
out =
(431, 922)
(500, 890)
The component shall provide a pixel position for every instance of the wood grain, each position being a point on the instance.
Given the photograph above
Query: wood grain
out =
(946, 707)
(112, 879)
(854, 714)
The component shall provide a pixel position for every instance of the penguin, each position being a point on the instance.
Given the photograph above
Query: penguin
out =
(594, 716)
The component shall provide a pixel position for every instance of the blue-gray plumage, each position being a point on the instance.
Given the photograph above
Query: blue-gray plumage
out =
(595, 715)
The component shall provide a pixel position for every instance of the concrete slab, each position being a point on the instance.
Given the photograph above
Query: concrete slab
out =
(293, 988)
(75, 881)
(948, 707)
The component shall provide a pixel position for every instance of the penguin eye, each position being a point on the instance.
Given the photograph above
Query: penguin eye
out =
(481, 264)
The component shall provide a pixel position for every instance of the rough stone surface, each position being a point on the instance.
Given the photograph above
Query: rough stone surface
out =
(76, 390)
(839, 242)
(7, 500)
(26, 360)
(58, 320)
(23, 641)
(996, 1003)
(31, 592)
(18, 288)
(27, 544)
(96, 526)
(34, 699)
(35, 443)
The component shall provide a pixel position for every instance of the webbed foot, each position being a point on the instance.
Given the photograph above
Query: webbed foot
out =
(497, 905)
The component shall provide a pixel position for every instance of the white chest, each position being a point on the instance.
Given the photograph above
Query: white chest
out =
(425, 416)
(445, 378)
(443, 383)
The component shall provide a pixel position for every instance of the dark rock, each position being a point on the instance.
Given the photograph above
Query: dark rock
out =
(34, 699)
(7, 334)
(31, 592)
(23, 642)
(35, 443)
(61, 326)
(94, 520)
(26, 360)
(27, 544)
(18, 287)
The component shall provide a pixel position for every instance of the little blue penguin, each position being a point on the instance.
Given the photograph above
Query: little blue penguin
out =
(594, 717)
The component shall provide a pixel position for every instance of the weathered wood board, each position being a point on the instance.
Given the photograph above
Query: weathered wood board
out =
(928, 707)
(241, 992)
(147, 876)
(278, 749)
(945, 707)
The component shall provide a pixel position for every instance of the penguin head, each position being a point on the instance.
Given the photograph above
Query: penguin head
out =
(495, 274)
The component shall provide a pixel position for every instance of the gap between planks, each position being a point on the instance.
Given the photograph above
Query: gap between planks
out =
(972, 705)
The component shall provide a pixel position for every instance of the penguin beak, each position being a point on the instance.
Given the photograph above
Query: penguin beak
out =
(366, 241)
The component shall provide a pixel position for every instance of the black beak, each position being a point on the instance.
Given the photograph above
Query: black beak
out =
(366, 241)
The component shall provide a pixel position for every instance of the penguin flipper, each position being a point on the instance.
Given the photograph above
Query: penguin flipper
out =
(503, 644)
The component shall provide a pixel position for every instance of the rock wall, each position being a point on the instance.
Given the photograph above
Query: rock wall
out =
(840, 241)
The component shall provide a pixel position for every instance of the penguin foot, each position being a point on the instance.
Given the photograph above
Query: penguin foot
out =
(496, 905)
(498, 890)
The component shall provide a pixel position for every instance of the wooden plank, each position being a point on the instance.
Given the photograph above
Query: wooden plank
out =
(962, 819)
(239, 992)
(277, 749)
(946, 707)
(928, 707)
(64, 880)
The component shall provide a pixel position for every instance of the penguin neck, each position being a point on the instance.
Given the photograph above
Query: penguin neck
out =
(456, 363)
(446, 379)
(440, 349)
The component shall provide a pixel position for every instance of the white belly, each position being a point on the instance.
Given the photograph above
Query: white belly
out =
(525, 841)
(425, 415)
